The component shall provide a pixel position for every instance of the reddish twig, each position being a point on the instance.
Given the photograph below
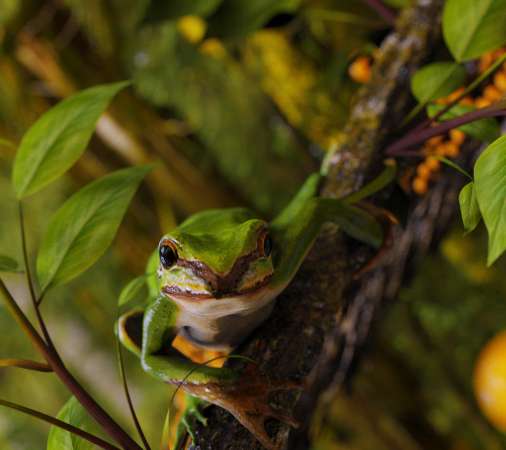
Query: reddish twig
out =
(387, 14)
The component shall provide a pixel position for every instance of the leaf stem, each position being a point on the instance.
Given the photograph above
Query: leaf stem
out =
(128, 396)
(466, 91)
(418, 136)
(59, 423)
(29, 279)
(25, 364)
(94, 409)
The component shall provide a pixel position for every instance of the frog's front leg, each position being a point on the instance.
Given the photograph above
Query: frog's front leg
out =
(244, 395)
(129, 329)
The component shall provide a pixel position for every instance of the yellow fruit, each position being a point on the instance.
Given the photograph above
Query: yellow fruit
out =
(360, 70)
(192, 28)
(420, 185)
(457, 136)
(490, 380)
(214, 48)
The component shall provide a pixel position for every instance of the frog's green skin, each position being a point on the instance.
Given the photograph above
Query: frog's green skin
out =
(222, 286)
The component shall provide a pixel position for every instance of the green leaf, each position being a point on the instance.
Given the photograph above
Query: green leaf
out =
(7, 264)
(469, 208)
(131, 290)
(485, 130)
(83, 228)
(161, 10)
(59, 137)
(490, 187)
(354, 221)
(437, 80)
(74, 414)
(237, 18)
(453, 165)
(473, 27)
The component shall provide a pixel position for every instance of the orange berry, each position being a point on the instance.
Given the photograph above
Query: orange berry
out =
(500, 81)
(423, 171)
(451, 149)
(492, 93)
(426, 150)
(420, 185)
(455, 94)
(482, 102)
(485, 61)
(360, 70)
(433, 164)
(467, 101)
(441, 149)
(434, 141)
(457, 136)
(489, 380)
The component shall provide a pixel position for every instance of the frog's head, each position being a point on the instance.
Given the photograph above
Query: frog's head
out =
(216, 254)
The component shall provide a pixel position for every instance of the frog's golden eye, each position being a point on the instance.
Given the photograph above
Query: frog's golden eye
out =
(265, 244)
(168, 254)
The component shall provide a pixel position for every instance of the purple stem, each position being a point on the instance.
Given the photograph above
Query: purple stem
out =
(417, 137)
(384, 11)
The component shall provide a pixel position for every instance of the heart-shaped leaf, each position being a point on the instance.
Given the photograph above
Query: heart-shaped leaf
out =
(85, 225)
(485, 130)
(437, 80)
(74, 414)
(59, 137)
(490, 187)
(7, 264)
(469, 208)
(473, 27)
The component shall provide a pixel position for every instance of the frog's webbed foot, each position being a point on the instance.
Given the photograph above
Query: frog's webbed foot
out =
(247, 399)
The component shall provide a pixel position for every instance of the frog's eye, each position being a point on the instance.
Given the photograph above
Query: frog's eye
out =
(265, 244)
(168, 254)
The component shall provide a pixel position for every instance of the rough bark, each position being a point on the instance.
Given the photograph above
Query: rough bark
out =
(324, 316)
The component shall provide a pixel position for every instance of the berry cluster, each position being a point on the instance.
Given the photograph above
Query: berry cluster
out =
(449, 144)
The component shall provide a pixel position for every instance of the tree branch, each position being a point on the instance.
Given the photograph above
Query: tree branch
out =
(301, 337)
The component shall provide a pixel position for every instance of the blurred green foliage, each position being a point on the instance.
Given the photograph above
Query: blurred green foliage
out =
(237, 105)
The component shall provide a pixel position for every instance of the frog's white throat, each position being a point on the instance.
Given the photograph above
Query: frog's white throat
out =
(222, 323)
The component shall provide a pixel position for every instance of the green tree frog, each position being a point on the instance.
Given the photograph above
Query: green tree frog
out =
(218, 276)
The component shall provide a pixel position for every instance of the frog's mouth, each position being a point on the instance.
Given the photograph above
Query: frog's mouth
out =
(187, 293)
